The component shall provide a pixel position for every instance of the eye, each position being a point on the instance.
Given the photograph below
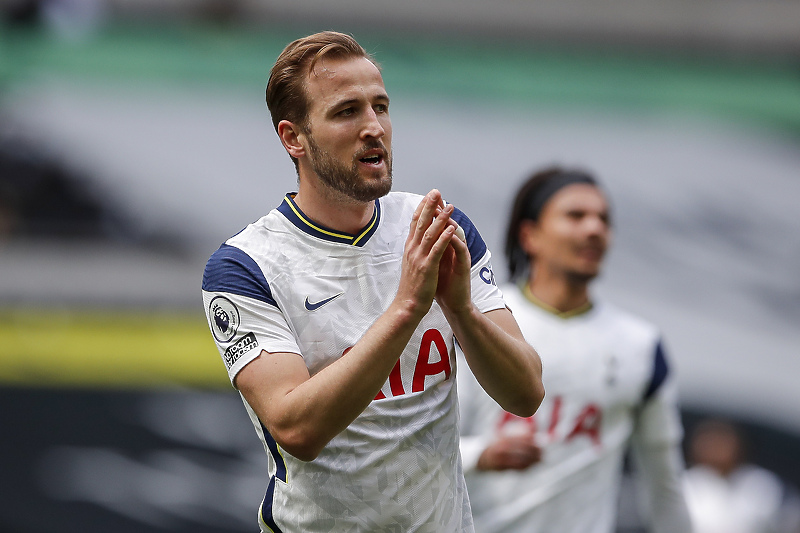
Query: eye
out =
(382, 108)
(346, 112)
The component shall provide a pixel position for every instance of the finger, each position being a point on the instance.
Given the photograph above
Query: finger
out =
(459, 244)
(450, 221)
(435, 230)
(418, 210)
(536, 455)
(427, 214)
(460, 232)
(440, 245)
(414, 234)
(515, 461)
(420, 220)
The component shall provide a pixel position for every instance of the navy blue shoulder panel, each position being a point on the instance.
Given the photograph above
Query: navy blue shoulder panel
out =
(660, 372)
(231, 270)
(477, 248)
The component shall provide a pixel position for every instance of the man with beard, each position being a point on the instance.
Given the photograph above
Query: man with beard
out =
(607, 379)
(341, 307)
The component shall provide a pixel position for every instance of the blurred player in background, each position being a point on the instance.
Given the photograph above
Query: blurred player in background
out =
(607, 380)
(728, 494)
(335, 315)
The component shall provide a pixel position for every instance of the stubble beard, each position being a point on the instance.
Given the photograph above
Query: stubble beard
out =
(346, 182)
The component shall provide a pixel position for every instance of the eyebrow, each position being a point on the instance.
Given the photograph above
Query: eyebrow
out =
(351, 101)
(343, 103)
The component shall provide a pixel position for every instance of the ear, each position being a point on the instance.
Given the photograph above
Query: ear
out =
(529, 237)
(289, 134)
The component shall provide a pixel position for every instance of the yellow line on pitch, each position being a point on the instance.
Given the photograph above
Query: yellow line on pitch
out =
(107, 348)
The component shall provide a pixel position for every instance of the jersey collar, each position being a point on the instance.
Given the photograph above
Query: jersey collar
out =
(292, 212)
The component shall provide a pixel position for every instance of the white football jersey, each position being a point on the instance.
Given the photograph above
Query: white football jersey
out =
(606, 381)
(286, 284)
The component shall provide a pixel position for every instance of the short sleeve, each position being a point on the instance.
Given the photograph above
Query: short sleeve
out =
(243, 317)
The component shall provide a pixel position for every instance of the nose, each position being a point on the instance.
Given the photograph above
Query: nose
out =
(372, 125)
(595, 225)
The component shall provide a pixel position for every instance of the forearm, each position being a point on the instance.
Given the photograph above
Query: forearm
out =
(506, 366)
(304, 413)
(661, 467)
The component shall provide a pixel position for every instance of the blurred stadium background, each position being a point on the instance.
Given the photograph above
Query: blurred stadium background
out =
(134, 139)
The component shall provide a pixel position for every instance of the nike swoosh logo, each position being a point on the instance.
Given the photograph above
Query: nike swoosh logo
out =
(316, 305)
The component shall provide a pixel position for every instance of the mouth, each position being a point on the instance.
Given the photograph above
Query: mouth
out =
(592, 253)
(372, 157)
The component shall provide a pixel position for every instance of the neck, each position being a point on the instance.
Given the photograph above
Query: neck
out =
(332, 209)
(561, 294)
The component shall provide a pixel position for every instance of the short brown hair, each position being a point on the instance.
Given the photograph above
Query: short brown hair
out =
(286, 94)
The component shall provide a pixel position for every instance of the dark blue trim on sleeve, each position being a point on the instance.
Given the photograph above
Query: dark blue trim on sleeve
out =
(477, 248)
(232, 270)
(660, 372)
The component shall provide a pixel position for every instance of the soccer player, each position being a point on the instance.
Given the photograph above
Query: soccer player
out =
(726, 492)
(336, 313)
(607, 379)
